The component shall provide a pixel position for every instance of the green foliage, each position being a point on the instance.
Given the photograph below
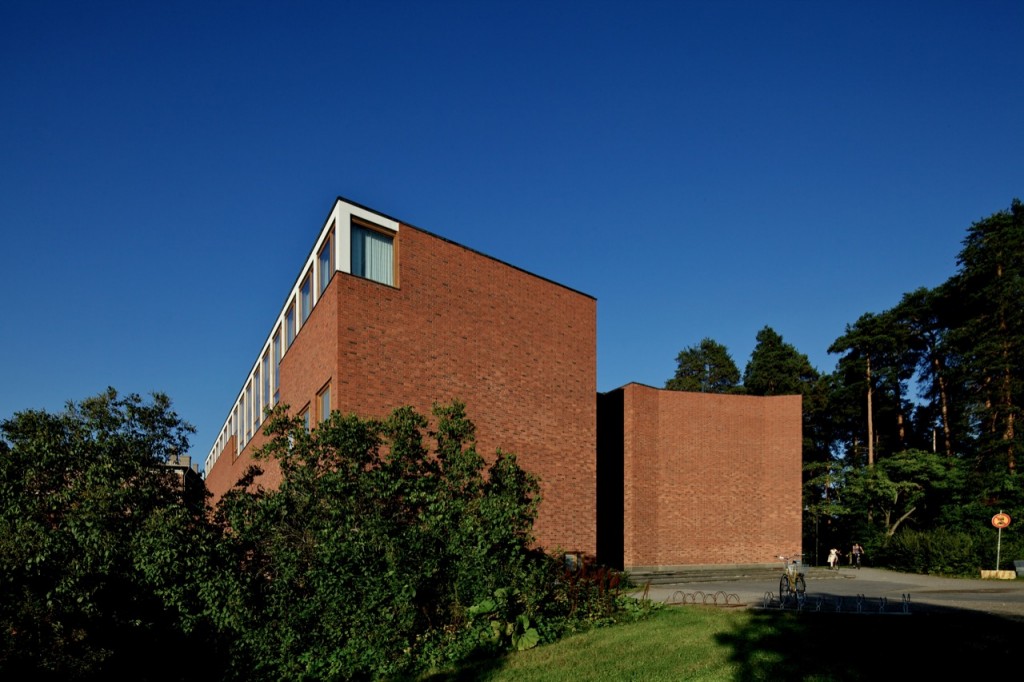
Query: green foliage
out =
(96, 540)
(899, 488)
(777, 368)
(961, 345)
(379, 556)
(938, 551)
(705, 368)
(990, 337)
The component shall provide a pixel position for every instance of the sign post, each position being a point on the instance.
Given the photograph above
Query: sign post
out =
(1000, 521)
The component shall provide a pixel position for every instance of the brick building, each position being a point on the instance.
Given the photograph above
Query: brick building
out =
(690, 479)
(384, 314)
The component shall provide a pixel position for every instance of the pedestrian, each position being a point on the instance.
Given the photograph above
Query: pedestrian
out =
(833, 559)
(856, 553)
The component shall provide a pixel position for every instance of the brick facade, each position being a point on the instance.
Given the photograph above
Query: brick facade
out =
(639, 477)
(518, 350)
(706, 479)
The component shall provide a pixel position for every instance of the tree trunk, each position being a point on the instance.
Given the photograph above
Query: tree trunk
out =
(1008, 432)
(944, 402)
(871, 426)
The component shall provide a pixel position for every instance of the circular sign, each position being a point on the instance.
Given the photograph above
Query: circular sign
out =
(1001, 520)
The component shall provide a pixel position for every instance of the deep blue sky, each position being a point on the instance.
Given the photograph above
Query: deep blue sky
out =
(703, 168)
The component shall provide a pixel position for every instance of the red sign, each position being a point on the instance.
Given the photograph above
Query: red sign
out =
(1001, 520)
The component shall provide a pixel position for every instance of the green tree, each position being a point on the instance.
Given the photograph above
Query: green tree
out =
(377, 555)
(898, 489)
(705, 368)
(990, 288)
(777, 368)
(875, 367)
(925, 315)
(97, 544)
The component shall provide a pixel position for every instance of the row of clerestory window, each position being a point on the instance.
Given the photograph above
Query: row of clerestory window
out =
(372, 256)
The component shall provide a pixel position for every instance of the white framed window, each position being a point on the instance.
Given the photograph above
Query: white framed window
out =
(266, 381)
(305, 298)
(256, 401)
(277, 365)
(325, 264)
(289, 325)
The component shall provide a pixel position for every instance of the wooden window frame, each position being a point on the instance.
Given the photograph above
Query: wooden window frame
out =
(323, 414)
(366, 224)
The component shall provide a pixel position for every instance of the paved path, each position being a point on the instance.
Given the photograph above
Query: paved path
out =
(923, 593)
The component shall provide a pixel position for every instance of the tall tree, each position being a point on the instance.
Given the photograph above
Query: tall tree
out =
(990, 284)
(923, 313)
(863, 342)
(777, 368)
(876, 359)
(705, 368)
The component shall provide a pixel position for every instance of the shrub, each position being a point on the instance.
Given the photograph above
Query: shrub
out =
(939, 551)
(378, 556)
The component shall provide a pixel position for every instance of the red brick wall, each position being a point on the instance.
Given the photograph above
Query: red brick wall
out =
(223, 475)
(519, 350)
(709, 479)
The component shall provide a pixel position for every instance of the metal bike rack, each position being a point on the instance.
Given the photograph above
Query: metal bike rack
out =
(719, 598)
(857, 604)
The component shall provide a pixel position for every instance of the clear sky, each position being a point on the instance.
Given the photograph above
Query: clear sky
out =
(703, 169)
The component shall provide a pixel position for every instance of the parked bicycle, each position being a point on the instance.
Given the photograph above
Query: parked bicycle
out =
(792, 581)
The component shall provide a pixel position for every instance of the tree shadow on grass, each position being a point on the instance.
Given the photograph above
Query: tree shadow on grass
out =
(937, 642)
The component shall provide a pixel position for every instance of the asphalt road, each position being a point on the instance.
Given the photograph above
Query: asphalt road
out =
(865, 589)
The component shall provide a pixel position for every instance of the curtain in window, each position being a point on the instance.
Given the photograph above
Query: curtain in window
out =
(372, 255)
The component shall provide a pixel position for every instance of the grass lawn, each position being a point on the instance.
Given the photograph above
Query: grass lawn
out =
(713, 643)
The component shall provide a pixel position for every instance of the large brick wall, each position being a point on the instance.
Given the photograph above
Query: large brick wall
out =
(519, 350)
(707, 479)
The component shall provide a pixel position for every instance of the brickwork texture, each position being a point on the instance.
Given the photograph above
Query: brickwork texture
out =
(518, 350)
(707, 479)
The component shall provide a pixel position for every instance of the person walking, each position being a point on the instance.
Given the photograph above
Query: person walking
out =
(833, 559)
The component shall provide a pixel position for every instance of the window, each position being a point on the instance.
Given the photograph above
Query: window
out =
(256, 401)
(325, 264)
(304, 416)
(277, 365)
(289, 323)
(373, 254)
(266, 380)
(324, 402)
(247, 411)
(305, 299)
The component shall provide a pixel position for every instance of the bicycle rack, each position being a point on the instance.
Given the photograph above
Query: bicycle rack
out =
(857, 604)
(798, 600)
(719, 598)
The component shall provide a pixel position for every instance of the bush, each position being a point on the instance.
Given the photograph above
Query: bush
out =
(101, 545)
(939, 551)
(378, 556)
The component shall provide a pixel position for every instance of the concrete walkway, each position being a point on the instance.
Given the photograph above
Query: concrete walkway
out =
(848, 586)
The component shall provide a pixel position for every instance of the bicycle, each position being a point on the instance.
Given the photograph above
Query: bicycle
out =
(792, 580)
